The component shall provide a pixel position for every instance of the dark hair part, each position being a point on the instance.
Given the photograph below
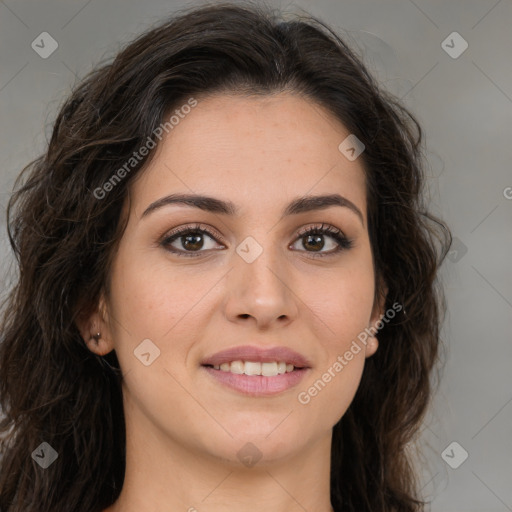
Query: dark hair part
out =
(54, 390)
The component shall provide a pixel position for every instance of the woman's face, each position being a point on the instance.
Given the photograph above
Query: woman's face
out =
(253, 280)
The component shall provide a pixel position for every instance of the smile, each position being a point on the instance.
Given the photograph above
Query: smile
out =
(256, 384)
(269, 369)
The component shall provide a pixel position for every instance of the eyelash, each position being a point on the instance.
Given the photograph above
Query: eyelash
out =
(343, 242)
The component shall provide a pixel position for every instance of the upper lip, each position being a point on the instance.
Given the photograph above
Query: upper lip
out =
(258, 354)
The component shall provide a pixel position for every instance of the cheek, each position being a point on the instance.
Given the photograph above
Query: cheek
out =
(344, 310)
(334, 382)
(347, 310)
(151, 299)
(344, 304)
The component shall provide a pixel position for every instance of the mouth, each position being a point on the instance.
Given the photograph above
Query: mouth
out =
(255, 368)
(256, 385)
(254, 371)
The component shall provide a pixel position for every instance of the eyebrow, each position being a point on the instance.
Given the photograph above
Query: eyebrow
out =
(214, 205)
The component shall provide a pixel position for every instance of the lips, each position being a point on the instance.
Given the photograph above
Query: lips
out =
(257, 354)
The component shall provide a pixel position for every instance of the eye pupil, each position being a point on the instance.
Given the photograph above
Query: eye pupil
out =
(317, 239)
(198, 244)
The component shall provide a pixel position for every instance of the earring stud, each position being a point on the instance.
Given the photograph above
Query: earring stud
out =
(96, 336)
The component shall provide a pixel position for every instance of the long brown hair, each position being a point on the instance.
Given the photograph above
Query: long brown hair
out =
(54, 390)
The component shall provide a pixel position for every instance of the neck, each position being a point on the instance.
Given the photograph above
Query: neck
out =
(164, 475)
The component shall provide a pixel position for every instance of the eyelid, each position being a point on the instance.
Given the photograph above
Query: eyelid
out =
(342, 241)
(210, 231)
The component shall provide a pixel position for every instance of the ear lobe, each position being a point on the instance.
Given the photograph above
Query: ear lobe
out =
(371, 346)
(94, 329)
(98, 345)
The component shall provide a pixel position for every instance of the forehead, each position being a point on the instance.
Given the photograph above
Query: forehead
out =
(257, 151)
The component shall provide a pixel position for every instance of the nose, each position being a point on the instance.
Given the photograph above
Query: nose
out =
(261, 290)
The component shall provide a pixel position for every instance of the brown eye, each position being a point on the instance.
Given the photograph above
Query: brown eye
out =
(313, 240)
(190, 241)
(187, 240)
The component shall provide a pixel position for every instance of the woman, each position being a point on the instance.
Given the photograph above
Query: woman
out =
(227, 296)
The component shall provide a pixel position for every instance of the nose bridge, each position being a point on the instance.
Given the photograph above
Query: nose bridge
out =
(260, 284)
(259, 261)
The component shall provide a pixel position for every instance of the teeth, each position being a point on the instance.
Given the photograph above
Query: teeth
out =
(237, 367)
(252, 368)
(269, 369)
(255, 368)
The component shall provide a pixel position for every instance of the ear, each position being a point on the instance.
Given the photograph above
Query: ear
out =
(95, 330)
(378, 312)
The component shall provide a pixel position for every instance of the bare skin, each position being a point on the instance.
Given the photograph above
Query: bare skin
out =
(184, 428)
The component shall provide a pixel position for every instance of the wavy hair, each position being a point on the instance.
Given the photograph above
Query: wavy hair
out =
(54, 390)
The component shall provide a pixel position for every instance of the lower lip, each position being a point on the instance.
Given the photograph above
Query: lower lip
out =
(258, 385)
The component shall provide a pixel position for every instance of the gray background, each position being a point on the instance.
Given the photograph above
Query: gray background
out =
(465, 106)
